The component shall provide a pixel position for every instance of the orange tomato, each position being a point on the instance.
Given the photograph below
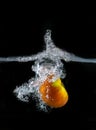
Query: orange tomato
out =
(53, 94)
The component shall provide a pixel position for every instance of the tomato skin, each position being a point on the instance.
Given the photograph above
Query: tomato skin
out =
(54, 94)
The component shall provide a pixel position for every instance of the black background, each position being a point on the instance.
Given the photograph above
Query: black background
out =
(27, 38)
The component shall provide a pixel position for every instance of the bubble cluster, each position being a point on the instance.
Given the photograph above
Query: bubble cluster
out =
(47, 64)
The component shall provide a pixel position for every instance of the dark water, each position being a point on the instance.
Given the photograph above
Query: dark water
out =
(80, 82)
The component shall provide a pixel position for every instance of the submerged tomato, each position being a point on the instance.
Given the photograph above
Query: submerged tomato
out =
(53, 94)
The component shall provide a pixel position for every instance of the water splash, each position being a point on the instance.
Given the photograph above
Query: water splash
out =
(48, 62)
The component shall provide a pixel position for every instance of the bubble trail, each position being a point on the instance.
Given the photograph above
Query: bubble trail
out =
(46, 86)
